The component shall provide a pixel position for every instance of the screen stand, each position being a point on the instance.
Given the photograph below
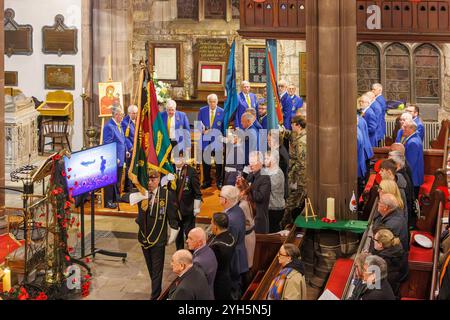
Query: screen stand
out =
(95, 250)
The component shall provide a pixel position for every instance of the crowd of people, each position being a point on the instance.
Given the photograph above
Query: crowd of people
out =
(261, 176)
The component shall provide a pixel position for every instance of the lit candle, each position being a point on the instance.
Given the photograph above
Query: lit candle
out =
(6, 280)
(84, 91)
(330, 208)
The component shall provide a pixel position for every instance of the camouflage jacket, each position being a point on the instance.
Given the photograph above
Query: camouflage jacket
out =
(297, 159)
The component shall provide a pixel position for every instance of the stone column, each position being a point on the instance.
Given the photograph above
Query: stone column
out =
(2, 123)
(331, 92)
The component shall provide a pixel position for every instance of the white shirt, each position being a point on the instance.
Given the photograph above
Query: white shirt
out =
(152, 194)
(172, 128)
(281, 96)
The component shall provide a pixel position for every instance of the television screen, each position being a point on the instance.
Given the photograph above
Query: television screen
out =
(91, 169)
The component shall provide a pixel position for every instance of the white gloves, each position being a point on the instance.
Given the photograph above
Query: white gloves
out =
(173, 235)
(138, 197)
(165, 180)
(197, 204)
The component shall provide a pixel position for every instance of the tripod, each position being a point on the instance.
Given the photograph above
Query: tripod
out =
(94, 250)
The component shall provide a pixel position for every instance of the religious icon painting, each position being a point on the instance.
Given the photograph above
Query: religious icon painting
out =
(110, 95)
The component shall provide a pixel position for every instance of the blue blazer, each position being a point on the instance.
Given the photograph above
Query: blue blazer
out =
(420, 131)
(243, 106)
(414, 156)
(126, 122)
(236, 226)
(111, 133)
(382, 103)
(297, 103)
(286, 104)
(362, 125)
(205, 258)
(361, 154)
(263, 122)
(181, 123)
(203, 117)
(372, 125)
(376, 107)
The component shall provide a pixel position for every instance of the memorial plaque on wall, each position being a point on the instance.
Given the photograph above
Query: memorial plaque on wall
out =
(60, 77)
(59, 39)
(211, 58)
(187, 9)
(18, 38)
(215, 9)
(255, 64)
(11, 78)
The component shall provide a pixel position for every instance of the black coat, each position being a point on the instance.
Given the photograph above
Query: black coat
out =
(223, 246)
(396, 264)
(153, 226)
(190, 192)
(260, 190)
(384, 293)
(191, 286)
(396, 222)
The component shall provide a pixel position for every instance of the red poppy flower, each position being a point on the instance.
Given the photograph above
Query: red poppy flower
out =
(70, 249)
(68, 204)
(79, 235)
(68, 177)
(87, 277)
(63, 173)
(87, 260)
(76, 184)
(57, 157)
(69, 169)
(67, 258)
(42, 296)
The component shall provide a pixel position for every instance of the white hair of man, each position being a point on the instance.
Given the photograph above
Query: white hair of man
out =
(398, 158)
(249, 116)
(398, 147)
(410, 124)
(132, 108)
(171, 104)
(389, 200)
(377, 86)
(231, 193)
(212, 97)
(256, 155)
(116, 109)
(379, 263)
(245, 82)
(365, 98)
(183, 257)
(406, 116)
(282, 82)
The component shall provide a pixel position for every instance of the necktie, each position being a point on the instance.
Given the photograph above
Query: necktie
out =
(169, 124)
(249, 102)
(211, 119)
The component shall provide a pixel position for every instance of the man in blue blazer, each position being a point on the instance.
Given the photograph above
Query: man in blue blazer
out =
(229, 199)
(112, 132)
(376, 107)
(211, 118)
(203, 255)
(128, 128)
(286, 104)
(414, 111)
(177, 124)
(297, 102)
(361, 160)
(414, 154)
(246, 100)
(371, 119)
(377, 89)
(251, 134)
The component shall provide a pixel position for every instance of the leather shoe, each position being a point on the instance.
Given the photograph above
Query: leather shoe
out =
(111, 205)
(206, 185)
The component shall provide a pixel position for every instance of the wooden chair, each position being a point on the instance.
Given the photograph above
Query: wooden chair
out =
(56, 130)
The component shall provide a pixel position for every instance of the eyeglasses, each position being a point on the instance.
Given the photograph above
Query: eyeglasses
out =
(282, 255)
(373, 238)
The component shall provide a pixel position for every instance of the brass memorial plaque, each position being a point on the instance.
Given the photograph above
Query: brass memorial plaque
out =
(11, 78)
(60, 77)
(18, 38)
(59, 39)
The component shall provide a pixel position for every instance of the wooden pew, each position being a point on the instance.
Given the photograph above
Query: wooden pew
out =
(439, 143)
(267, 267)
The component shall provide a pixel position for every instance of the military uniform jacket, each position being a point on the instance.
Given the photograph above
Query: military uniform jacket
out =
(153, 221)
(188, 185)
(297, 159)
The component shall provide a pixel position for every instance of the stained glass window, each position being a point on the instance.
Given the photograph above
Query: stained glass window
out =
(187, 9)
(215, 9)
(398, 81)
(368, 67)
(426, 74)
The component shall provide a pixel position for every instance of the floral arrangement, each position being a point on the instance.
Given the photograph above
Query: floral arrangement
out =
(162, 89)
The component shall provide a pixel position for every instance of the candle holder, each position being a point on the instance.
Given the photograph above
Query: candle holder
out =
(91, 133)
(86, 118)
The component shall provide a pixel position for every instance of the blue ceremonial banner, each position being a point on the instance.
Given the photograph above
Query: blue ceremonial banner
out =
(272, 90)
(232, 102)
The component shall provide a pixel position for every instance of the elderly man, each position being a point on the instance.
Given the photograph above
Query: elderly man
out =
(191, 283)
(297, 102)
(377, 108)
(414, 154)
(128, 127)
(211, 118)
(377, 89)
(177, 125)
(369, 114)
(375, 274)
(204, 257)
(286, 103)
(401, 149)
(364, 154)
(400, 134)
(155, 215)
(112, 132)
(260, 189)
(229, 200)
(223, 244)
(391, 217)
(246, 100)
(412, 110)
(251, 134)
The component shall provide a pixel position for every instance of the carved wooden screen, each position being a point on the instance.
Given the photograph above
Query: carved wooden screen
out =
(368, 66)
(426, 74)
(398, 80)
(187, 9)
(215, 9)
